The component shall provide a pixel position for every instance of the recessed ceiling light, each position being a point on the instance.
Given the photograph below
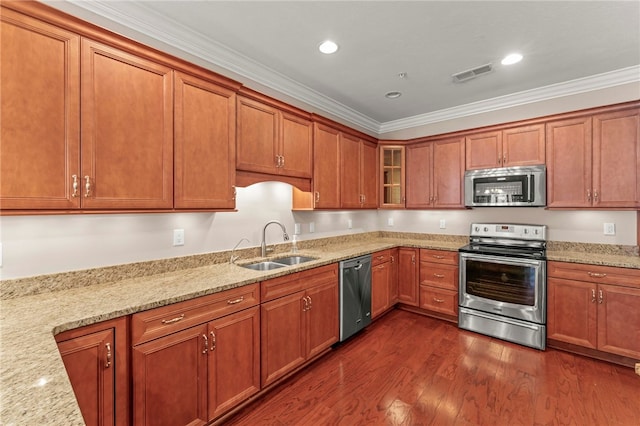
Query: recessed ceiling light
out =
(328, 47)
(393, 95)
(511, 59)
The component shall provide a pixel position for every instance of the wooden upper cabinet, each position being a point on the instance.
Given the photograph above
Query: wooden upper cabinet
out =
(39, 114)
(204, 170)
(518, 146)
(435, 172)
(358, 183)
(593, 161)
(616, 159)
(127, 130)
(326, 179)
(273, 141)
(392, 177)
(369, 175)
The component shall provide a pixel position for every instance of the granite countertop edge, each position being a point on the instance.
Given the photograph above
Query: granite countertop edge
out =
(35, 388)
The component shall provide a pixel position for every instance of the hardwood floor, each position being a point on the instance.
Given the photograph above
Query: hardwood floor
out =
(406, 369)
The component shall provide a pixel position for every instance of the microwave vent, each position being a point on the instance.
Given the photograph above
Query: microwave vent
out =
(472, 73)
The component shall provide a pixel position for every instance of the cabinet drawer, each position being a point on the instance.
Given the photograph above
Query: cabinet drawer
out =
(437, 275)
(594, 273)
(149, 325)
(281, 286)
(379, 257)
(439, 300)
(439, 256)
(321, 275)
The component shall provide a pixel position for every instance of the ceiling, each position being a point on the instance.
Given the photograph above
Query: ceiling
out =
(568, 47)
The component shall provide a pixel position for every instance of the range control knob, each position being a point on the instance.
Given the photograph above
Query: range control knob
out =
(536, 231)
(526, 231)
(477, 228)
(486, 229)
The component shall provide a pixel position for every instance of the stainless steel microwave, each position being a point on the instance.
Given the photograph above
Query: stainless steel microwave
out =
(522, 186)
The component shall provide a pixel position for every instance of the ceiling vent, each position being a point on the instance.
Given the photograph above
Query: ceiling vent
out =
(472, 73)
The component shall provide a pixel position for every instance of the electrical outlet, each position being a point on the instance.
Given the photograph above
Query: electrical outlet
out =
(312, 227)
(443, 224)
(390, 221)
(178, 237)
(609, 229)
(296, 229)
(349, 224)
(0, 255)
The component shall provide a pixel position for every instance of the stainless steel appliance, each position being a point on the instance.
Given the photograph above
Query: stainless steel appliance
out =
(522, 186)
(355, 295)
(503, 275)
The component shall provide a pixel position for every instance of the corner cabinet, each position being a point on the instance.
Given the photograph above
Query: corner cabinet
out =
(97, 362)
(195, 360)
(299, 320)
(594, 307)
(272, 140)
(205, 144)
(392, 177)
(518, 146)
(594, 161)
(435, 172)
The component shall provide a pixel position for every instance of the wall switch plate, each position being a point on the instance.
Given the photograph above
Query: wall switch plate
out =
(312, 227)
(609, 229)
(443, 224)
(390, 221)
(178, 237)
(296, 229)
(349, 224)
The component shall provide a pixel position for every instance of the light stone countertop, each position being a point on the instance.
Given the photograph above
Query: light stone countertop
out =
(34, 386)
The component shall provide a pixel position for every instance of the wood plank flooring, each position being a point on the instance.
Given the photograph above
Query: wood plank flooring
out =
(407, 369)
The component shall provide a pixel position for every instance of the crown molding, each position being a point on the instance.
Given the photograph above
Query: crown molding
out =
(218, 56)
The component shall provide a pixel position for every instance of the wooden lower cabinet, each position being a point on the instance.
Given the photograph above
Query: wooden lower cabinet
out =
(408, 276)
(299, 320)
(393, 279)
(381, 282)
(594, 307)
(96, 359)
(439, 281)
(190, 376)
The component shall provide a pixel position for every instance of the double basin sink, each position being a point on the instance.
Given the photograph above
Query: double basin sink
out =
(280, 262)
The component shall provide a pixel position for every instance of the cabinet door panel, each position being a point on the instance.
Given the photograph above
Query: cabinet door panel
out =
(393, 279)
(569, 163)
(283, 336)
(369, 175)
(170, 379)
(127, 129)
(448, 173)
(619, 320)
(257, 132)
(349, 172)
(484, 151)
(408, 276)
(204, 144)
(85, 359)
(234, 360)
(326, 180)
(571, 312)
(379, 289)
(616, 159)
(39, 114)
(322, 317)
(419, 175)
(523, 146)
(297, 146)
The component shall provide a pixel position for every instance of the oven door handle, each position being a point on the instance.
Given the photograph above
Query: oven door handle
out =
(505, 260)
(503, 319)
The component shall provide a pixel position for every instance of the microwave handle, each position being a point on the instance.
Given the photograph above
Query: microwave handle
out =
(532, 188)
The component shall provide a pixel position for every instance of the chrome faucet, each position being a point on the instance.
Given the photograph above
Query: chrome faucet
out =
(263, 246)
(233, 257)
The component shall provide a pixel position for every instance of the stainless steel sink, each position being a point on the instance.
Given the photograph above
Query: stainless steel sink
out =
(280, 262)
(293, 260)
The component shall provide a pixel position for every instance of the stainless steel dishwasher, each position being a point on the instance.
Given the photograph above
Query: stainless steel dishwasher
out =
(355, 295)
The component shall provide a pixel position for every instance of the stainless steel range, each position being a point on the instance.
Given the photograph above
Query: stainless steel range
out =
(503, 282)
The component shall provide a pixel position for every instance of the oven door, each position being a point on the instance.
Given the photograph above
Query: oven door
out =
(507, 286)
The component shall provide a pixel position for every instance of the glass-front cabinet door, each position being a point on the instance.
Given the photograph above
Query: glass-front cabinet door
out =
(392, 176)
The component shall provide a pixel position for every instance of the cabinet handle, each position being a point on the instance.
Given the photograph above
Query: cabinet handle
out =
(87, 186)
(438, 275)
(206, 344)
(277, 161)
(588, 195)
(305, 308)
(233, 302)
(213, 341)
(435, 299)
(595, 196)
(107, 363)
(317, 196)
(393, 259)
(380, 257)
(235, 192)
(437, 256)
(74, 185)
(504, 159)
(600, 297)
(596, 275)
(499, 160)
(282, 161)
(172, 320)
(413, 259)
(593, 295)
(310, 306)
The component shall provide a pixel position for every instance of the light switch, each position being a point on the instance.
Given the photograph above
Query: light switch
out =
(178, 237)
